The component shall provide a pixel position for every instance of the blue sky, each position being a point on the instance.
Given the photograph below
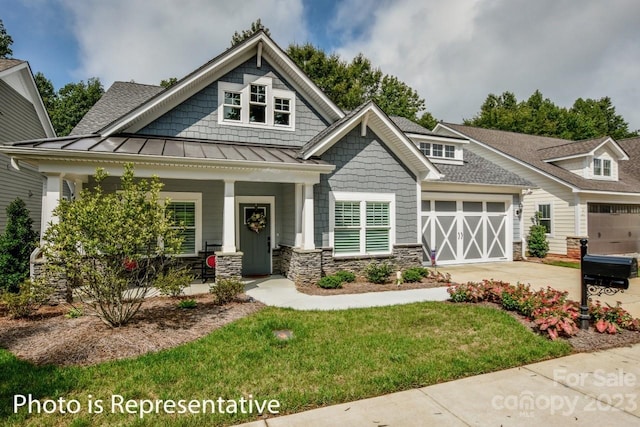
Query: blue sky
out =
(453, 52)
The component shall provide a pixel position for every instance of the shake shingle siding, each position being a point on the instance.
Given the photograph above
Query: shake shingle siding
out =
(364, 164)
(198, 116)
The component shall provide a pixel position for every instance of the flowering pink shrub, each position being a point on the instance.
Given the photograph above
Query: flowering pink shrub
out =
(549, 308)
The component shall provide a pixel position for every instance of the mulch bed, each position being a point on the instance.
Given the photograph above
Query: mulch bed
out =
(361, 286)
(48, 337)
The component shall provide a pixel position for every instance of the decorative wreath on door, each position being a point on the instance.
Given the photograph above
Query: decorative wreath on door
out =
(257, 221)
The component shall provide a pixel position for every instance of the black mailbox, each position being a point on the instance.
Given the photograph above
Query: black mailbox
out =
(610, 271)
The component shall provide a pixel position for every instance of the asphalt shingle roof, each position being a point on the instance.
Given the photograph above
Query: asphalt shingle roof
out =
(5, 64)
(407, 126)
(478, 170)
(572, 148)
(528, 148)
(632, 148)
(117, 101)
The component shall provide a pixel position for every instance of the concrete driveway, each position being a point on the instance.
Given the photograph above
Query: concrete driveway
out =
(539, 276)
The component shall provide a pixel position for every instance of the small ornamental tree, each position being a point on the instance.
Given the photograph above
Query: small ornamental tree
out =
(113, 247)
(537, 238)
(16, 244)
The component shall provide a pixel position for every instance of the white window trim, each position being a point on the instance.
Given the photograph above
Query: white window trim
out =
(551, 226)
(363, 198)
(245, 96)
(601, 175)
(174, 196)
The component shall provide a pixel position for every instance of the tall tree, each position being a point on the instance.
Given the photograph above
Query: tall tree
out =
(349, 84)
(587, 118)
(168, 82)
(72, 103)
(5, 42)
(47, 91)
(245, 34)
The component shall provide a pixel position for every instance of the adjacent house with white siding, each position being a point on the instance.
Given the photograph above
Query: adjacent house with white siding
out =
(22, 117)
(581, 189)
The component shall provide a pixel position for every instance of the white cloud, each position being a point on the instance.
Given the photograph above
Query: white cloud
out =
(455, 53)
(147, 41)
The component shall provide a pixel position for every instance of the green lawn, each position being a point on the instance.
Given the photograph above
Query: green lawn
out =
(334, 357)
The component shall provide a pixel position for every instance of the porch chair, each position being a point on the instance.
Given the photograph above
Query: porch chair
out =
(208, 268)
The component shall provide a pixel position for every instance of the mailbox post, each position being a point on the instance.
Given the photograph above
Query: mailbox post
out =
(602, 274)
(584, 298)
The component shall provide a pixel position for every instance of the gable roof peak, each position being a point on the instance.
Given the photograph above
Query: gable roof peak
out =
(258, 45)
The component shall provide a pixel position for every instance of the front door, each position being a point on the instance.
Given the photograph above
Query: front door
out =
(255, 241)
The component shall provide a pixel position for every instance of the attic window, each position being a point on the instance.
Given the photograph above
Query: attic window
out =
(601, 167)
(438, 150)
(256, 103)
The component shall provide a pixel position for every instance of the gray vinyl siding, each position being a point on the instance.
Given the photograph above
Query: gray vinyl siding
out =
(27, 184)
(18, 118)
(213, 199)
(364, 164)
(198, 116)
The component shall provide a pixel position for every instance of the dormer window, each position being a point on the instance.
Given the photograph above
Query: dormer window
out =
(602, 167)
(256, 103)
(438, 150)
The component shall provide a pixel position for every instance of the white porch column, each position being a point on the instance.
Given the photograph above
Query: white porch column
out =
(229, 218)
(308, 238)
(298, 213)
(77, 188)
(50, 199)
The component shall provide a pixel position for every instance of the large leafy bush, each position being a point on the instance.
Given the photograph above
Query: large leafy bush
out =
(113, 247)
(16, 244)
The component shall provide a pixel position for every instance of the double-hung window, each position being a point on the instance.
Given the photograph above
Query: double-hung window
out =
(185, 211)
(601, 167)
(544, 216)
(362, 223)
(256, 103)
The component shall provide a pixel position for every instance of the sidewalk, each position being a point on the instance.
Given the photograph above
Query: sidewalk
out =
(586, 389)
(277, 291)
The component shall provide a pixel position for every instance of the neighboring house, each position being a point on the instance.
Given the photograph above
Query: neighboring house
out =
(585, 188)
(250, 135)
(22, 117)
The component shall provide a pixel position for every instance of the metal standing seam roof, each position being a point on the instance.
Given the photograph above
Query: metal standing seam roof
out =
(173, 148)
(528, 148)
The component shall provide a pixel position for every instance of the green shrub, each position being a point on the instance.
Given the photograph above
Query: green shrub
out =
(414, 274)
(226, 290)
(537, 242)
(30, 296)
(16, 244)
(187, 303)
(173, 281)
(74, 313)
(378, 272)
(330, 282)
(346, 276)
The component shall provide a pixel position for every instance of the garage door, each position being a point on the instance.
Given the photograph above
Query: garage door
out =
(613, 228)
(466, 230)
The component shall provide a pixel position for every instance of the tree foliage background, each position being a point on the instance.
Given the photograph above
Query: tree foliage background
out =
(587, 118)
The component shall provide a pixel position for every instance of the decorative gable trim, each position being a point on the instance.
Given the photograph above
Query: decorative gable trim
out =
(259, 45)
(371, 116)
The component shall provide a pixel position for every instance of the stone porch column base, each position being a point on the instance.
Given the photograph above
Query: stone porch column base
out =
(228, 265)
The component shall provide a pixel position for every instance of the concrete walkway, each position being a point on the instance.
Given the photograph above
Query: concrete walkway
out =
(587, 389)
(280, 292)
